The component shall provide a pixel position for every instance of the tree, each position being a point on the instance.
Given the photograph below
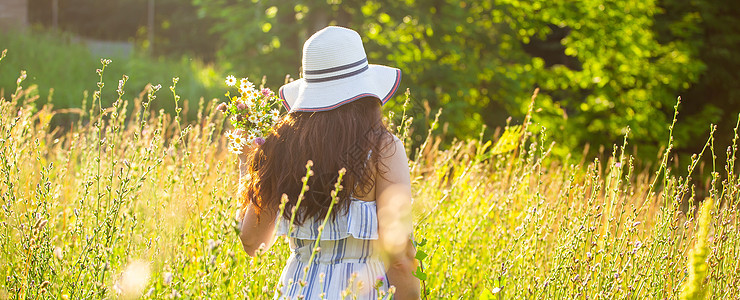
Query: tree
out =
(712, 30)
(600, 66)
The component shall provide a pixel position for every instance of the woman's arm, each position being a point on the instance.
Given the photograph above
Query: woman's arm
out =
(255, 232)
(395, 223)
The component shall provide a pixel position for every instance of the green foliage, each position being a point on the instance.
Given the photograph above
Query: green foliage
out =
(180, 32)
(51, 62)
(711, 30)
(602, 66)
(420, 256)
(61, 67)
(257, 37)
(626, 78)
(598, 63)
(114, 20)
(175, 32)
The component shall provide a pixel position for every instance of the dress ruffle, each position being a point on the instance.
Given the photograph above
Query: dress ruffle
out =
(359, 221)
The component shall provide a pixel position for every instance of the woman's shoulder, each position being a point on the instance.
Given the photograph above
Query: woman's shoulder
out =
(396, 141)
(394, 162)
(393, 146)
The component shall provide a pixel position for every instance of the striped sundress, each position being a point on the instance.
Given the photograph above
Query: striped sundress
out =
(346, 267)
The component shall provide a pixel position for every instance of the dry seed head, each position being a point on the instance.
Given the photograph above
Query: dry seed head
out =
(58, 253)
(167, 278)
(284, 199)
(42, 224)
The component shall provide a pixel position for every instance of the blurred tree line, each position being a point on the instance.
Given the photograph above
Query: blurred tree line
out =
(602, 66)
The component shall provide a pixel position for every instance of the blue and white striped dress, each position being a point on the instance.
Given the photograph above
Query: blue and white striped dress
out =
(347, 265)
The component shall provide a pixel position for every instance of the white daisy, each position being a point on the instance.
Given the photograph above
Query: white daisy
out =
(249, 94)
(245, 91)
(230, 80)
(239, 140)
(246, 84)
(234, 149)
(230, 135)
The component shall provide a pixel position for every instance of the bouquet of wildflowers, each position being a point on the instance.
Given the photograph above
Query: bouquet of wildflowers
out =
(253, 113)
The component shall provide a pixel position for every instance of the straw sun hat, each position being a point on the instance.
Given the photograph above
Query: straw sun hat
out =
(336, 72)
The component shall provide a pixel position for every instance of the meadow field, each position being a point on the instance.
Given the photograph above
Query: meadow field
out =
(138, 204)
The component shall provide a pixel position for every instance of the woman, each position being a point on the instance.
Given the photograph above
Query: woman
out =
(334, 122)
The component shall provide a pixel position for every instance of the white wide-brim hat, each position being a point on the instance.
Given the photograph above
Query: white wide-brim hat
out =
(336, 72)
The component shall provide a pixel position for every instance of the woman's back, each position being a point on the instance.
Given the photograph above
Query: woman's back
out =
(346, 263)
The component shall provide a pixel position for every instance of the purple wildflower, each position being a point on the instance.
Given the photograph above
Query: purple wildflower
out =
(266, 92)
(259, 141)
(222, 107)
(241, 106)
(379, 281)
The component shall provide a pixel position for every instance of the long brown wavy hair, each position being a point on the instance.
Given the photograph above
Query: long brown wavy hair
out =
(351, 136)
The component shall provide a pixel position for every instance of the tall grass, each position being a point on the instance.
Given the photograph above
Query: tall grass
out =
(137, 203)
